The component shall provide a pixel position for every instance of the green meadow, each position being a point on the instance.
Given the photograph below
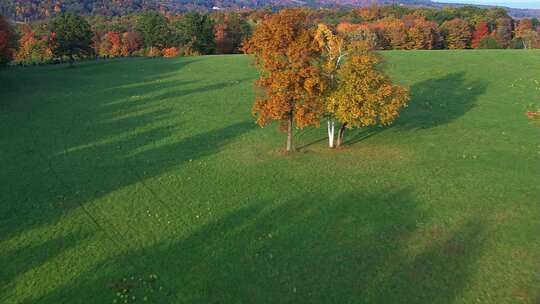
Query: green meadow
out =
(147, 181)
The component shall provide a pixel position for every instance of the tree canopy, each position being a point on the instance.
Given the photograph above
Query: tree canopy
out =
(72, 35)
(154, 30)
(292, 86)
(7, 41)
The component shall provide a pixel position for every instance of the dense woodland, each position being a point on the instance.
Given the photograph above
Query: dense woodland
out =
(156, 33)
(31, 10)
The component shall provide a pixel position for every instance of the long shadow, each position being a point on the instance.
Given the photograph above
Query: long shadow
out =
(433, 102)
(27, 258)
(356, 136)
(440, 101)
(66, 151)
(316, 248)
(90, 149)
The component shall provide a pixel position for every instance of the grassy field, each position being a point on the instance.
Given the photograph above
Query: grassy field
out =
(146, 181)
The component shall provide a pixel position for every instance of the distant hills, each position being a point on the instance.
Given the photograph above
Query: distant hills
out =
(21, 10)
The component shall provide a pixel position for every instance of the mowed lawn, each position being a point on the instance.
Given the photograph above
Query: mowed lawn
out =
(147, 181)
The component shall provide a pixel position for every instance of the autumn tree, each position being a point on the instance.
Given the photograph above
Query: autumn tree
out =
(362, 32)
(7, 41)
(525, 31)
(115, 40)
(73, 36)
(457, 33)
(34, 49)
(396, 33)
(131, 42)
(334, 52)
(423, 34)
(291, 84)
(229, 32)
(358, 94)
(480, 31)
(503, 31)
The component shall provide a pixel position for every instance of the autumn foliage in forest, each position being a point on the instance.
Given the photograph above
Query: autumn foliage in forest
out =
(151, 33)
(480, 32)
(457, 34)
(6, 41)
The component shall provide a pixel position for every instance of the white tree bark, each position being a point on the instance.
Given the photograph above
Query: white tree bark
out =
(330, 133)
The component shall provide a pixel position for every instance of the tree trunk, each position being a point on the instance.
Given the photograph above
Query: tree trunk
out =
(290, 147)
(71, 60)
(331, 133)
(341, 133)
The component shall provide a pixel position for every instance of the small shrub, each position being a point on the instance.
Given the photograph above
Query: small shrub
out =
(153, 52)
(189, 51)
(489, 42)
(170, 52)
(516, 43)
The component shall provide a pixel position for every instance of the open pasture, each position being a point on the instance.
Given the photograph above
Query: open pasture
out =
(147, 181)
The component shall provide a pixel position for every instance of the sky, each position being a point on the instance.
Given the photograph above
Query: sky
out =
(509, 3)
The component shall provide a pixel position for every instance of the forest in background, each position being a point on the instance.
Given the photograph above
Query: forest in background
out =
(158, 33)
(31, 10)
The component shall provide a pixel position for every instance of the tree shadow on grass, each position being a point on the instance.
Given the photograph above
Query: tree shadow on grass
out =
(25, 259)
(90, 149)
(83, 141)
(433, 102)
(352, 248)
(440, 101)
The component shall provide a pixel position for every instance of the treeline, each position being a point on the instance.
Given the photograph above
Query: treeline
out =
(222, 32)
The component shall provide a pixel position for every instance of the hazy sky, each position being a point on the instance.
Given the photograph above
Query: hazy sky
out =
(509, 3)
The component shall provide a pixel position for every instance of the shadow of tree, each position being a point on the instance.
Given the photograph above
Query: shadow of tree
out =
(91, 150)
(440, 101)
(312, 249)
(433, 102)
(27, 258)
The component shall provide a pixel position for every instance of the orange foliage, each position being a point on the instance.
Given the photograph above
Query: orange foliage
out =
(347, 28)
(458, 35)
(154, 52)
(33, 49)
(481, 30)
(224, 45)
(292, 86)
(131, 42)
(369, 14)
(116, 44)
(395, 32)
(423, 34)
(171, 52)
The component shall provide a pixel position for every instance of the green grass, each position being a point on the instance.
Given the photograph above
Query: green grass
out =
(148, 177)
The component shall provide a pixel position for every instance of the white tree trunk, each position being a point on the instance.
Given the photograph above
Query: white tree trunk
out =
(330, 133)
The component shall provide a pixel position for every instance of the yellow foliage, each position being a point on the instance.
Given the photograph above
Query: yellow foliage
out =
(359, 94)
(365, 96)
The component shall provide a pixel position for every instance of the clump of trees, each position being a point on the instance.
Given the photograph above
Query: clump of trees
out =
(72, 36)
(309, 72)
(7, 41)
(146, 32)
